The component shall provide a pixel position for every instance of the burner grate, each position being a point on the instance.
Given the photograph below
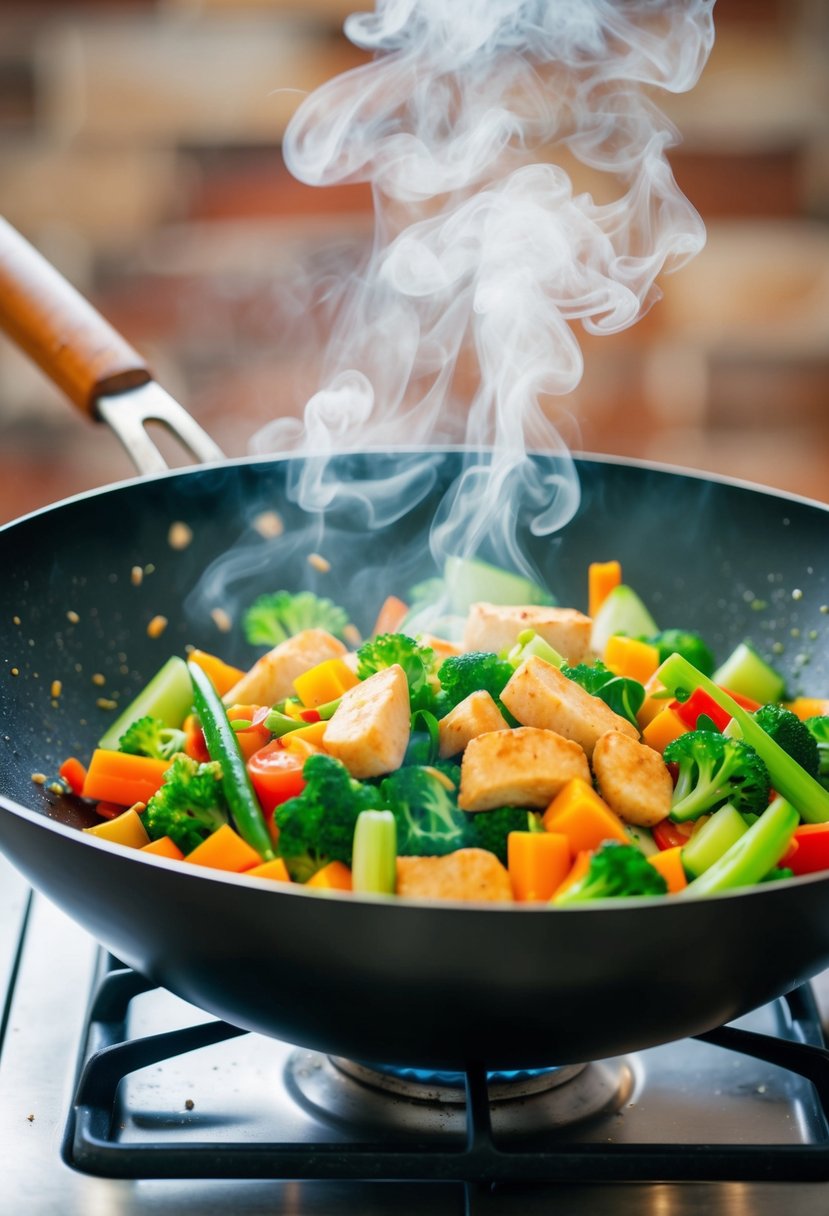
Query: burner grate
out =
(91, 1141)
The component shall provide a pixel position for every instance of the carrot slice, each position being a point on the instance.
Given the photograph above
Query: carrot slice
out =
(577, 871)
(669, 864)
(163, 847)
(538, 863)
(224, 849)
(578, 813)
(122, 778)
(390, 617)
(336, 876)
(222, 675)
(73, 773)
(602, 577)
(276, 870)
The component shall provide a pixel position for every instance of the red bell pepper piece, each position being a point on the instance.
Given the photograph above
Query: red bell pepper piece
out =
(812, 853)
(697, 704)
(667, 834)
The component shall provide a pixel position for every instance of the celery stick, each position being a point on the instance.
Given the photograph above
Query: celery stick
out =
(374, 855)
(746, 673)
(168, 696)
(715, 837)
(752, 856)
(787, 776)
(470, 580)
(621, 612)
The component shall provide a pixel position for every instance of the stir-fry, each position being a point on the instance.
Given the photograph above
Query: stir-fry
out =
(547, 756)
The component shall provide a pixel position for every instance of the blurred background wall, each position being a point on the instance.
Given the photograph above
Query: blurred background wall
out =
(139, 149)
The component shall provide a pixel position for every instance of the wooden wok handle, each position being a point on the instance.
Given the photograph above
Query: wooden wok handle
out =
(59, 329)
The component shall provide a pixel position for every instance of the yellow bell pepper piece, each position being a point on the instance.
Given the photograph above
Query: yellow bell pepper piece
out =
(808, 707)
(124, 829)
(663, 729)
(631, 658)
(325, 682)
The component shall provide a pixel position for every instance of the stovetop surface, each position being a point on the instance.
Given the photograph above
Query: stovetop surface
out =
(235, 1091)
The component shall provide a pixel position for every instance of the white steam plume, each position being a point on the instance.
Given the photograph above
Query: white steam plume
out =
(482, 245)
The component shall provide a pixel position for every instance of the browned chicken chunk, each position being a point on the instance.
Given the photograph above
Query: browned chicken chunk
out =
(470, 874)
(521, 767)
(539, 695)
(633, 779)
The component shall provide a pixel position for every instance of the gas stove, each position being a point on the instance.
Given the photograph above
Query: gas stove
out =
(118, 1097)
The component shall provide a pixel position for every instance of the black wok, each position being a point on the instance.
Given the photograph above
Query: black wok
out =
(390, 980)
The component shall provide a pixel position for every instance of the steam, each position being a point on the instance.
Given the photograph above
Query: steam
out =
(460, 327)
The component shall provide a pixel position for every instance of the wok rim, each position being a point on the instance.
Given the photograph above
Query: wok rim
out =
(42, 821)
(607, 458)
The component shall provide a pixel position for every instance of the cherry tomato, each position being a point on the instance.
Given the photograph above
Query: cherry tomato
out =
(276, 774)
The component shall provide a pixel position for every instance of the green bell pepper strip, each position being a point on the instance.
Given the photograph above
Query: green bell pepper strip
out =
(223, 746)
(787, 776)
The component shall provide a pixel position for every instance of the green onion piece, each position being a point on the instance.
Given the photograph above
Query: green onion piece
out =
(280, 724)
(374, 854)
(787, 776)
(222, 745)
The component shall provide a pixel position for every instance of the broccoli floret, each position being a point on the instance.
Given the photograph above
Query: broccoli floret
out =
(490, 829)
(150, 736)
(818, 728)
(423, 800)
(622, 694)
(274, 617)
(189, 804)
(318, 825)
(474, 671)
(715, 769)
(791, 734)
(616, 870)
(419, 664)
(689, 645)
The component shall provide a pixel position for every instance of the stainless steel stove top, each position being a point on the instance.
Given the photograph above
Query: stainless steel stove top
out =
(250, 1091)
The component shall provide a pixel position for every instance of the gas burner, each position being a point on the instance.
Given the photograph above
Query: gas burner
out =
(433, 1104)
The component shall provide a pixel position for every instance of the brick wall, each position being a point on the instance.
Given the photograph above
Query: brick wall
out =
(139, 148)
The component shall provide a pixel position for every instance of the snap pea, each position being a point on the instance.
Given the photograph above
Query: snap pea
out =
(223, 746)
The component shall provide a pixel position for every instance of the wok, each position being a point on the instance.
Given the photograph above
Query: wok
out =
(392, 980)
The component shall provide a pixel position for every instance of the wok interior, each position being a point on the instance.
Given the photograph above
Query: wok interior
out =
(719, 558)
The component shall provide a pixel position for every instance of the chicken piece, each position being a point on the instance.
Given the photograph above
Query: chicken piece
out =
(539, 695)
(494, 627)
(633, 779)
(522, 767)
(473, 874)
(272, 677)
(473, 716)
(369, 731)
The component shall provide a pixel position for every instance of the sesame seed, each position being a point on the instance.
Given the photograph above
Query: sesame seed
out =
(269, 524)
(15, 620)
(15, 671)
(72, 617)
(57, 688)
(99, 679)
(106, 703)
(136, 576)
(221, 620)
(797, 594)
(156, 626)
(180, 535)
(319, 562)
(39, 778)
